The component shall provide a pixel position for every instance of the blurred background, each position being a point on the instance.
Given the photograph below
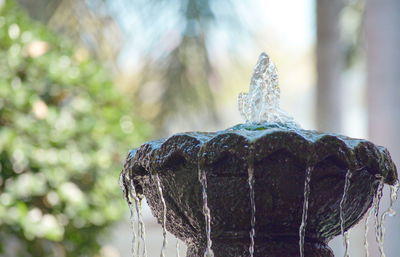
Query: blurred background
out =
(84, 81)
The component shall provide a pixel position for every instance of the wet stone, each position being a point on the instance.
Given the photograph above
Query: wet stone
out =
(281, 158)
(266, 188)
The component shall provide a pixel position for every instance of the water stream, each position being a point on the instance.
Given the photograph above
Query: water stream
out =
(135, 207)
(373, 212)
(345, 235)
(389, 212)
(376, 205)
(134, 234)
(141, 243)
(142, 230)
(366, 227)
(126, 193)
(206, 211)
(164, 219)
(302, 229)
(177, 248)
(251, 181)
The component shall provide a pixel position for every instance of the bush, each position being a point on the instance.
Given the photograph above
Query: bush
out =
(64, 130)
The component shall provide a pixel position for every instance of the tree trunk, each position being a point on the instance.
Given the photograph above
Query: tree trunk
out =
(383, 66)
(330, 62)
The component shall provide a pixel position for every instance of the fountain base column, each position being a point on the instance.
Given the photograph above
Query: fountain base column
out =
(282, 247)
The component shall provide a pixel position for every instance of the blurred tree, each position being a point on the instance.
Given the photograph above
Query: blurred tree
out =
(41, 10)
(184, 72)
(86, 22)
(178, 69)
(178, 78)
(329, 65)
(63, 127)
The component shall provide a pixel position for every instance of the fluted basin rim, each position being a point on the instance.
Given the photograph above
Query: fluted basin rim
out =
(308, 146)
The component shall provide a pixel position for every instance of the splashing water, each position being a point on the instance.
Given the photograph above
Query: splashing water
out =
(302, 230)
(391, 212)
(164, 220)
(345, 235)
(206, 211)
(261, 103)
(251, 181)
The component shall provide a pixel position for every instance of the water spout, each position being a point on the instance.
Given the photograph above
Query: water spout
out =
(261, 103)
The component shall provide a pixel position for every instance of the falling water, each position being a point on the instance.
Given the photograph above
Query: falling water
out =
(130, 196)
(177, 246)
(302, 230)
(377, 201)
(366, 226)
(345, 235)
(251, 181)
(206, 211)
(140, 225)
(164, 220)
(142, 230)
(374, 211)
(126, 192)
(261, 104)
(391, 212)
(134, 234)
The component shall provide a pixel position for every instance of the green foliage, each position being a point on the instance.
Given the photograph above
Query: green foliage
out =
(64, 129)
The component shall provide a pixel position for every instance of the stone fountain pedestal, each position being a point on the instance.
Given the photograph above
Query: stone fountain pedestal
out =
(280, 156)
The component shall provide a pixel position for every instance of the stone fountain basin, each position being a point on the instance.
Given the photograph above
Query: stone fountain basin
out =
(280, 156)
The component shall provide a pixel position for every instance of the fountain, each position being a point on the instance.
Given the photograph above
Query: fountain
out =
(264, 188)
